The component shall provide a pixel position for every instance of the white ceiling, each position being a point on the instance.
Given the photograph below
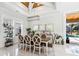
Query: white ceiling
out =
(65, 7)
(14, 6)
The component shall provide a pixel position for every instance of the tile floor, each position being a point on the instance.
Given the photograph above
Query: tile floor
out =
(58, 50)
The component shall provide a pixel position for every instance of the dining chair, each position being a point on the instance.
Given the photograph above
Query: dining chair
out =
(58, 39)
(37, 43)
(54, 38)
(43, 37)
(47, 37)
(27, 42)
(37, 34)
(21, 42)
(50, 37)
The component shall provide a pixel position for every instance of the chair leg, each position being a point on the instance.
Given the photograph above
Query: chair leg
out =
(18, 46)
(30, 49)
(25, 48)
(39, 51)
(45, 50)
(21, 46)
(34, 50)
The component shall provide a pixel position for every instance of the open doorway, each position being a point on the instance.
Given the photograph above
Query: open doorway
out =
(17, 30)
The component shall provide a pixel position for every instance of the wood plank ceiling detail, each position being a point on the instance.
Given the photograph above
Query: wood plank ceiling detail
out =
(25, 4)
(35, 5)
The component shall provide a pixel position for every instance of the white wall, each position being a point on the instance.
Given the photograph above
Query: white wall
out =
(56, 18)
(15, 16)
(67, 7)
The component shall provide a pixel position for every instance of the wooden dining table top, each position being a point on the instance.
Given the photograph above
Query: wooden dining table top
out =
(46, 40)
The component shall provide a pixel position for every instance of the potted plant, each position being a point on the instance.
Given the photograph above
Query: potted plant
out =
(28, 30)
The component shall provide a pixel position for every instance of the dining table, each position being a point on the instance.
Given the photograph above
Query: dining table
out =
(46, 43)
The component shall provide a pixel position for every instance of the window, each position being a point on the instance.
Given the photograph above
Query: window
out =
(42, 27)
(49, 27)
(35, 27)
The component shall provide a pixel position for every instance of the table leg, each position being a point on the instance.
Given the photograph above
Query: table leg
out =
(46, 48)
